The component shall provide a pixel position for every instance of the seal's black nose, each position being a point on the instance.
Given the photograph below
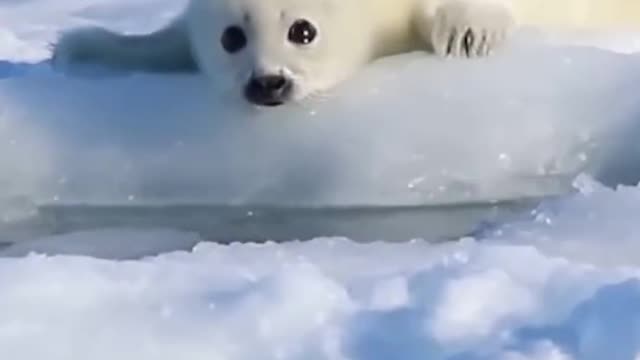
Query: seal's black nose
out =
(268, 90)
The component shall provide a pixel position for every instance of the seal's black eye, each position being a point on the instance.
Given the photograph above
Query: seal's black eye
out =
(233, 39)
(302, 32)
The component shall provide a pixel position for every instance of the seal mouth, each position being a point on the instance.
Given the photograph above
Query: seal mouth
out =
(269, 90)
(266, 102)
(269, 103)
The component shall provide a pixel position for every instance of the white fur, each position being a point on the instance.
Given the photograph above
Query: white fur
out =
(351, 34)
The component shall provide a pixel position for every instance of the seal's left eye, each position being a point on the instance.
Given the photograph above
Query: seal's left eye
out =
(302, 32)
(233, 39)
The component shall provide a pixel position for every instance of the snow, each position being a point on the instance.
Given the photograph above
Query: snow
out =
(328, 298)
(558, 281)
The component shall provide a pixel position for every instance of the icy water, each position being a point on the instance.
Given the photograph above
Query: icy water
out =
(227, 224)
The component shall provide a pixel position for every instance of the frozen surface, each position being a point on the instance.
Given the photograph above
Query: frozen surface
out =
(559, 283)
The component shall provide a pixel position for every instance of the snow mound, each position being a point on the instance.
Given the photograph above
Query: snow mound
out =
(333, 299)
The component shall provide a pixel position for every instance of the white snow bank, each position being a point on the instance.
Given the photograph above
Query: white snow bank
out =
(409, 130)
(332, 299)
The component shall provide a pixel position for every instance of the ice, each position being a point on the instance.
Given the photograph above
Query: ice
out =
(109, 244)
(556, 227)
(561, 282)
(168, 139)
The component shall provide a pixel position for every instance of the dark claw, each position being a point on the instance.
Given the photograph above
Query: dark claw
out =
(483, 43)
(452, 40)
(467, 42)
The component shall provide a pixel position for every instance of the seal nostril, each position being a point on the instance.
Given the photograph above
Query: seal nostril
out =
(272, 82)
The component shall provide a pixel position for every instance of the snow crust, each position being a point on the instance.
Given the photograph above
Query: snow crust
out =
(494, 298)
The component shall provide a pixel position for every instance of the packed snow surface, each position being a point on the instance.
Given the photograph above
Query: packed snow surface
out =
(559, 282)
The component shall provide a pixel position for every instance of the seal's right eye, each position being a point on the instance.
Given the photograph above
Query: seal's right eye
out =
(302, 32)
(233, 39)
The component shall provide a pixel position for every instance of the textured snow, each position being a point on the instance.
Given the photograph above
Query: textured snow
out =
(559, 282)
(335, 299)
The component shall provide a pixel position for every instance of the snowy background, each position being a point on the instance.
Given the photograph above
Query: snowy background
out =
(560, 280)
